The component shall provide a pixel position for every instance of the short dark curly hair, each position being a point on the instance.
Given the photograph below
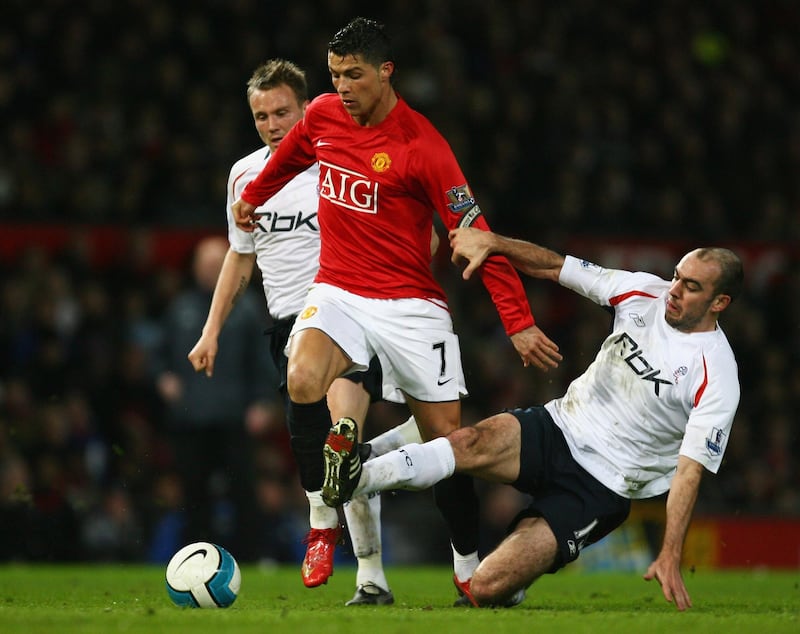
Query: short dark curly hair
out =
(364, 37)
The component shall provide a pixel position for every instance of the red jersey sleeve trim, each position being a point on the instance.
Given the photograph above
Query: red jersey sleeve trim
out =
(618, 299)
(233, 185)
(703, 385)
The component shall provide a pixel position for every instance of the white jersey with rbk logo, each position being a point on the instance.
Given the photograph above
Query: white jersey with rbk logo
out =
(651, 393)
(286, 238)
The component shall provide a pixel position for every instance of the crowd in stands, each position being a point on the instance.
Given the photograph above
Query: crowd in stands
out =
(579, 124)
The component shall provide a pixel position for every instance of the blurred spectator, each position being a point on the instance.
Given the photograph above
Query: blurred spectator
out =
(113, 531)
(205, 417)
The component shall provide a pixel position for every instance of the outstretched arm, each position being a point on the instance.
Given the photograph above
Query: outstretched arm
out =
(666, 569)
(231, 283)
(475, 246)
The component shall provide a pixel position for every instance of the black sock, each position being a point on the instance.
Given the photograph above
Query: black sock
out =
(457, 501)
(309, 424)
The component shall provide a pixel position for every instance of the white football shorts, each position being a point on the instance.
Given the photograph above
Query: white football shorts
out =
(413, 338)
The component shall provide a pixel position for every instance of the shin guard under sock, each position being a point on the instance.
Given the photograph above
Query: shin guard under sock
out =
(457, 501)
(309, 424)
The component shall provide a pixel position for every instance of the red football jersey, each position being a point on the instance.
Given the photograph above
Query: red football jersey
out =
(378, 189)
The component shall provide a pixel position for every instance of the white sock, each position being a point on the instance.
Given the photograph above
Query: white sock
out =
(394, 438)
(319, 514)
(411, 467)
(363, 515)
(464, 565)
(363, 512)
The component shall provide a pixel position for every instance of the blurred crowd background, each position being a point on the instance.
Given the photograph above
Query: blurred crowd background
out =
(623, 131)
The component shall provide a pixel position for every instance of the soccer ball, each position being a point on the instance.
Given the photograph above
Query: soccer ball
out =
(203, 575)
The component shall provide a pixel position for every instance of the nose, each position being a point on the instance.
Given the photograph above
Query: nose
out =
(342, 86)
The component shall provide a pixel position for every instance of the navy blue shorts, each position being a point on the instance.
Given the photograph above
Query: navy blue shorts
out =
(579, 509)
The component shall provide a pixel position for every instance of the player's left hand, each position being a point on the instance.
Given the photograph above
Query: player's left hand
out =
(243, 215)
(537, 348)
(669, 576)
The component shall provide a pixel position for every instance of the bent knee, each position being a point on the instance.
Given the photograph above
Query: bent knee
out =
(468, 447)
(491, 588)
(305, 385)
(465, 440)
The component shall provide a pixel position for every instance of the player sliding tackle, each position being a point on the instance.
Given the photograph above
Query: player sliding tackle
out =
(652, 411)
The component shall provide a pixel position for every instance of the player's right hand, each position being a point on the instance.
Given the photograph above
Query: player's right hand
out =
(202, 356)
(243, 215)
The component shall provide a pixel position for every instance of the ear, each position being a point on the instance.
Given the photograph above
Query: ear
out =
(386, 70)
(720, 303)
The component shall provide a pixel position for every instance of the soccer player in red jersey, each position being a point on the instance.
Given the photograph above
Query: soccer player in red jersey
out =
(285, 247)
(384, 169)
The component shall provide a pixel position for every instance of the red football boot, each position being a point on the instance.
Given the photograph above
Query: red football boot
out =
(465, 598)
(318, 562)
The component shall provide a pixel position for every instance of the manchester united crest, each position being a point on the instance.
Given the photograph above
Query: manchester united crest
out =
(309, 311)
(381, 162)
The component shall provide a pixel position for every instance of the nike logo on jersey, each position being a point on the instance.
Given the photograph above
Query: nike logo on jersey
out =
(440, 382)
(322, 143)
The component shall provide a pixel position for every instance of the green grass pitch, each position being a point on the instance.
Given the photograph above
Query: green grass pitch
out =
(132, 599)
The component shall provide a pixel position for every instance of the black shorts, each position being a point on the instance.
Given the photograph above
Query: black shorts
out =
(579, 509)
(371, 379)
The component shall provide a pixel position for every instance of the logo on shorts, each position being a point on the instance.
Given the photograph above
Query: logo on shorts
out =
(381, 162)
(581, 536)
(308, 312)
